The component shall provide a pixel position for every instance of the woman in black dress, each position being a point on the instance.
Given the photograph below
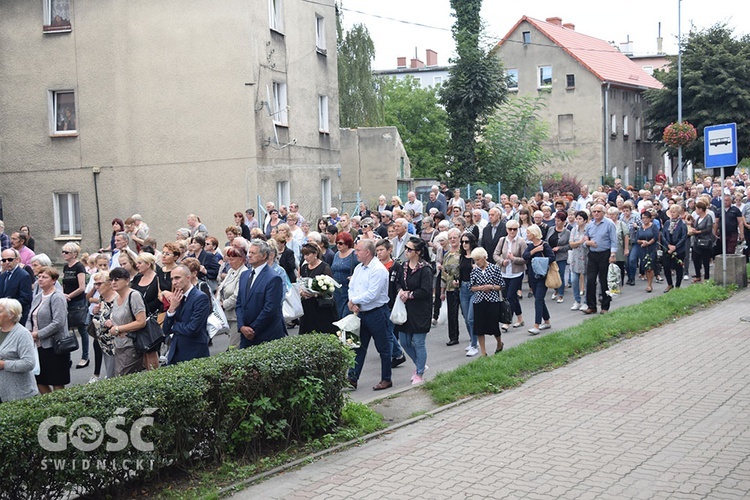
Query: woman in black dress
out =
(318, 317)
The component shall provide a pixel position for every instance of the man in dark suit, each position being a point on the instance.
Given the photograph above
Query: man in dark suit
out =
(186, 319)
(15, 282)
(259, 313)
(493, 231)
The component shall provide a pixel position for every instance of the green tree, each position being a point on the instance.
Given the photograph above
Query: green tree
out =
(358, 101)
(421, 122)
(474, 90)
(715, 72)
(514, 140)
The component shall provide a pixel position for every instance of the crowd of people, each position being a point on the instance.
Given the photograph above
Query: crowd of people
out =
(446, 257)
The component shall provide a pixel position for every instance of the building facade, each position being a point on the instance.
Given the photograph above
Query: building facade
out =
(427, 74)
(593, 95)
(163, 109)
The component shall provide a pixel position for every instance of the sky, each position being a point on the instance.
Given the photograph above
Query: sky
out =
(427, 23)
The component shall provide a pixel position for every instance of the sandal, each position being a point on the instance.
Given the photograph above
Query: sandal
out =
(697, 280)
(500, 348)
(517, 325)
(648, 289)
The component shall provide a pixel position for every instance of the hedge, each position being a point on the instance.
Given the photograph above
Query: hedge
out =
(235, 403)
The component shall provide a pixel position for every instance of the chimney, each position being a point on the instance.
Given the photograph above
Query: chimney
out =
(416, 63)
(659, 42)
(557, 21)
(431, 58)
(400, 62)
(570, 26)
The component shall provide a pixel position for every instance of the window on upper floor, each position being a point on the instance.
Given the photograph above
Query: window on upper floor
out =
(418, 80)
(279, 110)
(62, 113)
(649, 70)
(545, 77)
(67, 214)
(320, 34)
(325, 195)
(638, 132)
(511, 78)
(56, 16)
(625, 129)
(526, 37)
(282, 193)
(613, 124)
(276, 15)
(323, 114)
(570, 81)
(437, 80)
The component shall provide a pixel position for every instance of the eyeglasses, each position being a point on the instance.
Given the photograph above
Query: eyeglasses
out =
(410, 249)
(465, 241)
(167, 253)
(512, 229)
(340, 243)
(65, 252)
(113, 280)
(8, 260)
(365, 225)
(98, 283)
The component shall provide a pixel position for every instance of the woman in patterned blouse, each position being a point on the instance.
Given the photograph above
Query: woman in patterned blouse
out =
(486, 284)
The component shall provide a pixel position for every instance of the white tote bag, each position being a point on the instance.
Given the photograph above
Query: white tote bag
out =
(398, 315)
(292, 308)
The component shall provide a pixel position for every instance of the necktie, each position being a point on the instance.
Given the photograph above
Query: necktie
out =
(250, 279)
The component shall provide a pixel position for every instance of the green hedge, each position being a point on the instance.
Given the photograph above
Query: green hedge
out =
(235, 403)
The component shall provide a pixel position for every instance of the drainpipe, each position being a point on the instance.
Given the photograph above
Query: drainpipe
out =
(96, 171)
(607, 131)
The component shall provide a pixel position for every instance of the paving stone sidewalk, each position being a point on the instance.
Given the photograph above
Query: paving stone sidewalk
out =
(663, 415)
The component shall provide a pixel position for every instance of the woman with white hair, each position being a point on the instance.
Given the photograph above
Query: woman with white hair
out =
(18, 358)
(486, 285)
(537, 247)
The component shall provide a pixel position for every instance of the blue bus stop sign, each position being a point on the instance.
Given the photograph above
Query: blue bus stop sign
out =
(720, 145)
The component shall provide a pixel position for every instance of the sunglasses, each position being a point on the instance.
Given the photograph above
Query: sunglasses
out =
(512, 229)
(98, 283)
(340, 243)
(410, 249)
(116, 279)
(465, 241)
(65, 252)
(8, 260)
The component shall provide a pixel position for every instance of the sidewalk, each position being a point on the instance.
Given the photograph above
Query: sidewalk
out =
(663, 415)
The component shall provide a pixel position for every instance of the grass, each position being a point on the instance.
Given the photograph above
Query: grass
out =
(509, 369)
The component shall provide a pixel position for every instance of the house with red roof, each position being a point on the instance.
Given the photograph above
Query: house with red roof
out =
(594, 99)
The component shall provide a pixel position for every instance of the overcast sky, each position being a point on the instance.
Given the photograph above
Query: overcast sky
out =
(611, 21)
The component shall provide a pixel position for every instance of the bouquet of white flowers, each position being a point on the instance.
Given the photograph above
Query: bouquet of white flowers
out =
(320, 286)
(349, 331)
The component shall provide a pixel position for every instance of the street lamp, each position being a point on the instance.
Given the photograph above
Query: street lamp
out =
(679, 85)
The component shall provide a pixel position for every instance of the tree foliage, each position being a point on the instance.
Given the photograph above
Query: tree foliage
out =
(474, 90)
(715, 72)
(358, 101)
(421, 122)
(514, 140)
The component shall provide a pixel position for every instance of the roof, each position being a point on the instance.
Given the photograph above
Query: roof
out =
(599, 57)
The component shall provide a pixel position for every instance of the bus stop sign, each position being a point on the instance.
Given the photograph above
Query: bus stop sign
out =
(720, 145)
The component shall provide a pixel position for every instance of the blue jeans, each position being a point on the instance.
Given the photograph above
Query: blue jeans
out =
(575, 278)
(414, 346)
(84, 333)
(396, 351)
(632, 262)
(373, 325)
(561, 264)
(540, 290)
(467, 309)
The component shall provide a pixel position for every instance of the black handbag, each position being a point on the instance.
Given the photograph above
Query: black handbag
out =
(66, 344)
(77, 315)
(150, 337)
(506, 313)
(704, 243)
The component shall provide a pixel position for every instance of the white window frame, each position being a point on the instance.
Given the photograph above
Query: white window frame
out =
(419, 80)
(437, 80)
(540, 73)
(280, 115)
(320, 34)
(613, 124)
(276, 15)
(49, 18)
(508, 73)
(638, 131)
(325, 195)
(283, 193)
(53, 97)
(323, 114)
(625, 129)
(71, 213)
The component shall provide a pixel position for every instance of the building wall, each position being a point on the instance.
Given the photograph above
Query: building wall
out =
(373, 162)
(171, 108)
(428, 77)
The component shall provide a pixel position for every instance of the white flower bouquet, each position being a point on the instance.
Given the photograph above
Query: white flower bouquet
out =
(348, 332)
(320, 286)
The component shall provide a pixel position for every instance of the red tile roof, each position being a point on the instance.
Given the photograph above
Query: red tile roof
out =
(598, 56)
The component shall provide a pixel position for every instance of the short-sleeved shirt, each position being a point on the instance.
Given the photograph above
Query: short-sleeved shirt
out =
(70, 279)
(122, 315)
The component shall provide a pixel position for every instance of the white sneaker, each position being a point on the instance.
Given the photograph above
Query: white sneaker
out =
(467, 348)
(560, 299)
(473, 351)
(576, 306)
(554, 295)
(93, 379)
(534, 331)
(545, 326)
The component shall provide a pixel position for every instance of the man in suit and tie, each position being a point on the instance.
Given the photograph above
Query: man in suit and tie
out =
(493, 231)
(399, 242)
(15, 282)
(186, 319)
(259, 313)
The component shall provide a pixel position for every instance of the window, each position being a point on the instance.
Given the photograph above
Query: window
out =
(437, 80)
(545, 77)
(320, 34)
(526, 37)
(511, 78)
(625, 130)
(419, 80)
(570, 81)
(67, 214)
(323, 114)
(279, 104)
(275, 15)
(649, 70)
(637, 128)
(325, 195)
(282, 193)
(613, 124)
(62, 115)
(56, 15)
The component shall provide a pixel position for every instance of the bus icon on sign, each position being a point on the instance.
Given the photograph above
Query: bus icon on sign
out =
(720, 141)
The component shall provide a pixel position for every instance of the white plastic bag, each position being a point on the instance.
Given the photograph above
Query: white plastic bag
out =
(398, 315)
(217, 321)
(292, 308)
(613, 280)
(443, 316)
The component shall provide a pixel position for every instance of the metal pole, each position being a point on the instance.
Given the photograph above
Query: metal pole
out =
(679, 84)
(723, 230)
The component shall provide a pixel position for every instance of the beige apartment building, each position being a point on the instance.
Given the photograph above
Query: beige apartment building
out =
(594, 99)
(163, 108)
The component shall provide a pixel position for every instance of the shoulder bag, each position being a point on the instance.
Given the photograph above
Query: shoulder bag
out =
(553, 280)
(150, 337)
(65, 344)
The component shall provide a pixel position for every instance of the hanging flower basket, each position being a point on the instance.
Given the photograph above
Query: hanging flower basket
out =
(679, 134)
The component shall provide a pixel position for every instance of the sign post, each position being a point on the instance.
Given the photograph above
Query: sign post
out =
(720, 150)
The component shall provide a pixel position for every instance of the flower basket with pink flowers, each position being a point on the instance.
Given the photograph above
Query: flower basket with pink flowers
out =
(678, 134)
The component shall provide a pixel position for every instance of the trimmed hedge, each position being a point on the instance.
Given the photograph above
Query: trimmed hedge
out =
(234, 403)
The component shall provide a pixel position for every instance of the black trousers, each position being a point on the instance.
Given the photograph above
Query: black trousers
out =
(452, 298)
(596, 268)
(671, 263)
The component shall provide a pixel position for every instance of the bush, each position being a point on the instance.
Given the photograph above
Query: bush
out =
(236, 403)
(562, 183)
